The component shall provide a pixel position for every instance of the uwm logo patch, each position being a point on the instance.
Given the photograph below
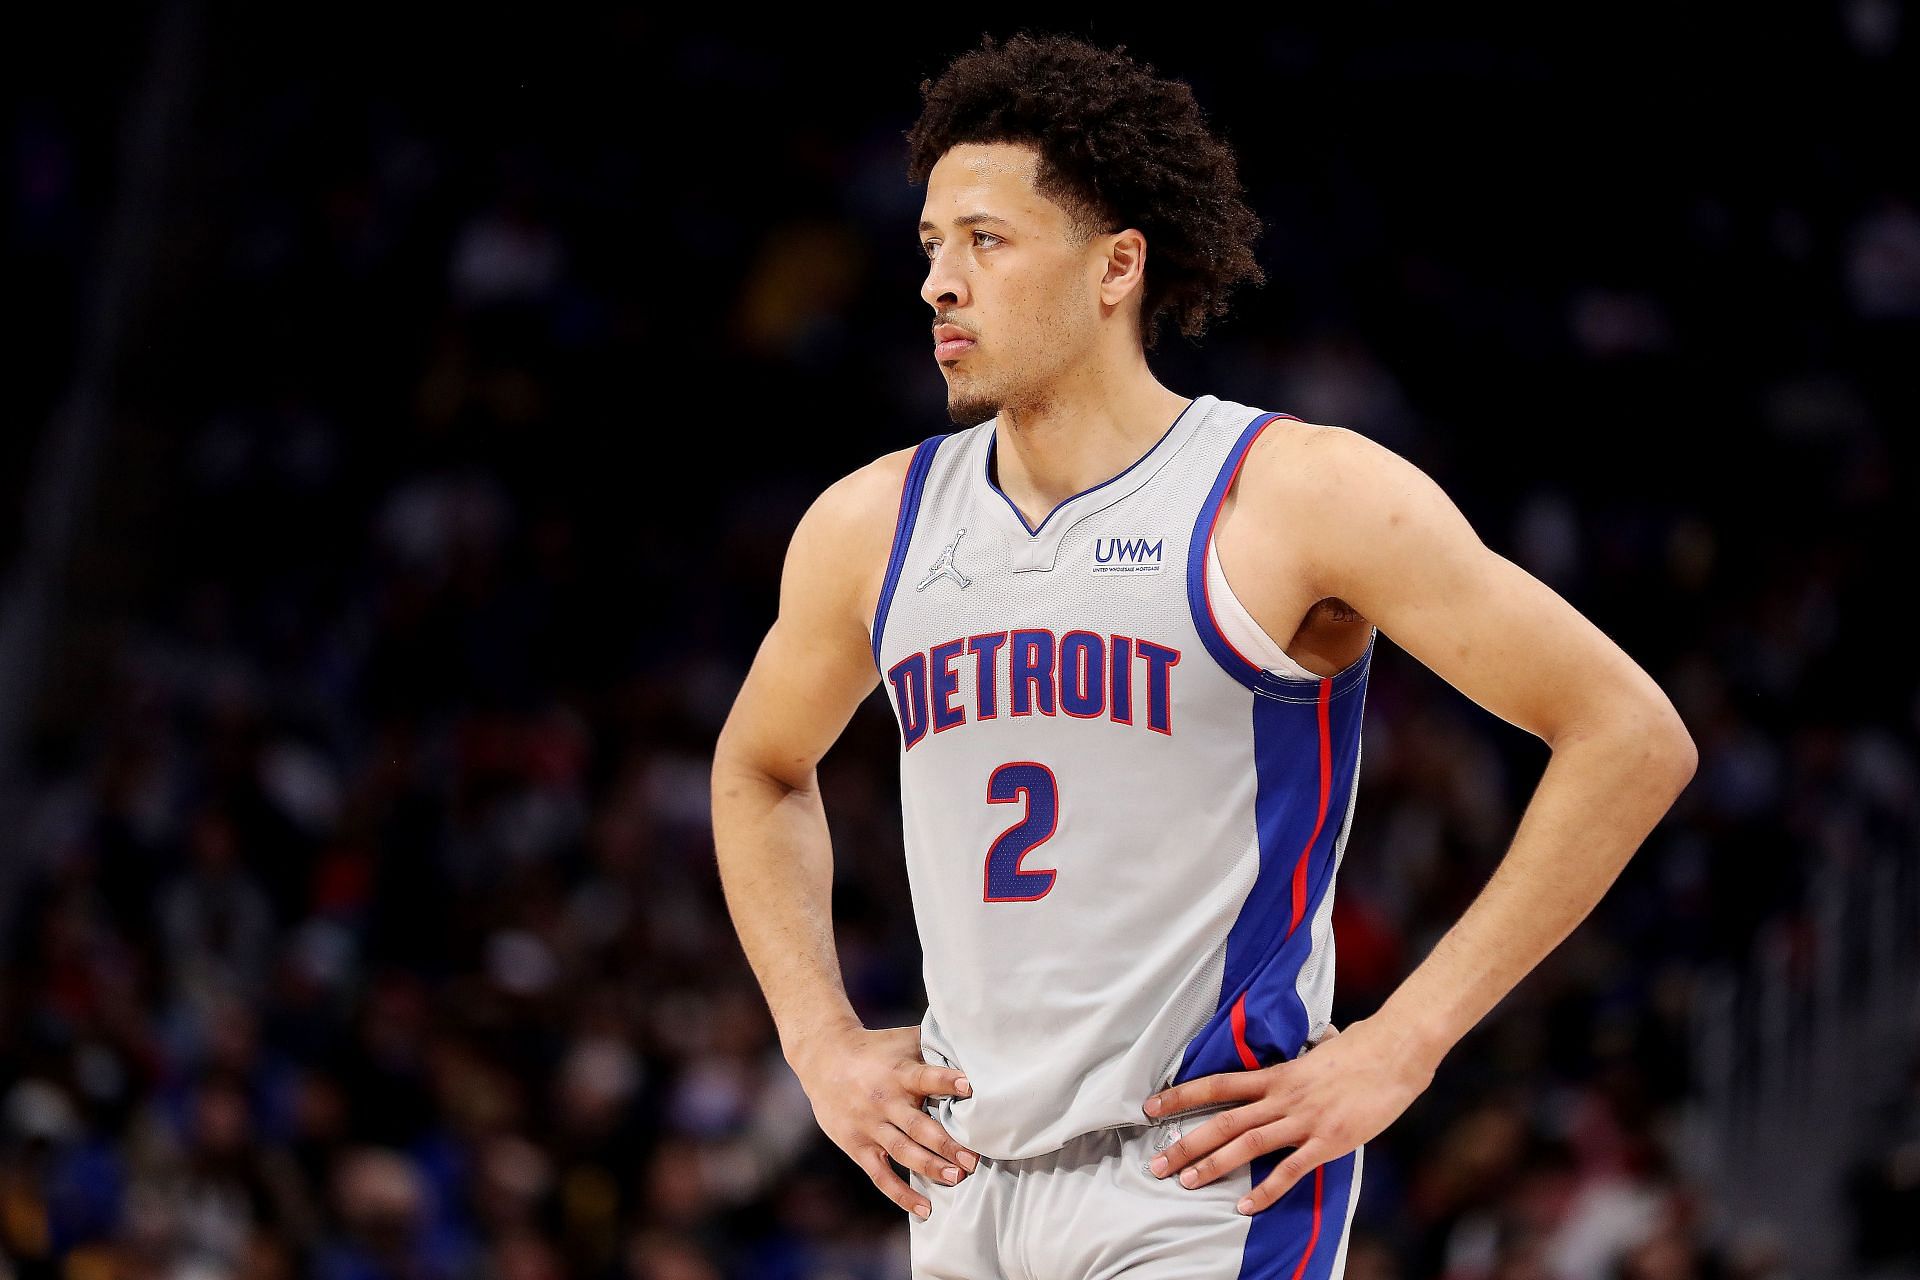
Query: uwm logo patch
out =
(1127, 555)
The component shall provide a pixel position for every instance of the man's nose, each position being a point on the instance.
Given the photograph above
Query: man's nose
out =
(944, 286)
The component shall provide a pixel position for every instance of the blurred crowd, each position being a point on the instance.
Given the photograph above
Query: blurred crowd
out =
(365, 921)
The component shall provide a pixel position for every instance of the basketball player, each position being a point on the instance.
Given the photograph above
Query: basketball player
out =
(1126, 635)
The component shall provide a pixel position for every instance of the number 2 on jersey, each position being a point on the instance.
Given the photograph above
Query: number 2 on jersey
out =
(1022, 780)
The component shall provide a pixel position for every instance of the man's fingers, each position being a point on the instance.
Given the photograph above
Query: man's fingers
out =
(1254, 1142)
(929, 1133)
(926, 1080)
(1304, 1162)
(1229, 1086)
(910, 1154)
(874, 1161)
(1213, 1133)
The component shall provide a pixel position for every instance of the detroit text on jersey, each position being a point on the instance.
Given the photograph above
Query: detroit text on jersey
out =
(1082, 674)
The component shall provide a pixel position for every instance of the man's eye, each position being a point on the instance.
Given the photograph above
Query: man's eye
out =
(927, 246)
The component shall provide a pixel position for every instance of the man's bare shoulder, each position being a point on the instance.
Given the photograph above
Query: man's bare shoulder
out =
(857, 512)
(840, 547)
(1324, 495)
(865, 499)
(1317, 470)
(1288, 445)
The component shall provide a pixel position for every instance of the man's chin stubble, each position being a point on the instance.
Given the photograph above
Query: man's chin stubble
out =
(966, 411)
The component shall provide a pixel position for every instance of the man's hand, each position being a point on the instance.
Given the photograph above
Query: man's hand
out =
(1323, 1104)
(866, 1088)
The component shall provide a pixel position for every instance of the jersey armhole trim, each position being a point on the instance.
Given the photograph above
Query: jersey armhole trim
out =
(912, 488)
(1286, 688)
(1239, 628)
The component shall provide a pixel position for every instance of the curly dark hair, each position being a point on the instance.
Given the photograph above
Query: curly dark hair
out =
(1119, 147)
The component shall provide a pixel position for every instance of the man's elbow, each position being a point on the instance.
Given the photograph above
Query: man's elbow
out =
(739, 771)
(1651, 734)
(1681, 758)
(734, 770)
(723, 762)
(1665, 737)
(1689, 755)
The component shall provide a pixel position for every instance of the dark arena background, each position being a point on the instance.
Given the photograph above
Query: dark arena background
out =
(406, 413)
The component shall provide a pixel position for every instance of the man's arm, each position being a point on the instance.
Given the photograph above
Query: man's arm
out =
(776, 861)
(1396, 548)
(1369, 527)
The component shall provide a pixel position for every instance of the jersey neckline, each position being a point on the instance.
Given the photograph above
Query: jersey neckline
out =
(1033, 531)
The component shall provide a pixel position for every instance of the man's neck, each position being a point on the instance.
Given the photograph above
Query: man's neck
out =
(1078, 436)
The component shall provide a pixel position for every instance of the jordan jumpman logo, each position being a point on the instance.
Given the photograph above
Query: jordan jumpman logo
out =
(945, 568)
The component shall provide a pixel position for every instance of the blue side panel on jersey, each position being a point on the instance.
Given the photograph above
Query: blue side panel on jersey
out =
(910, 494)
(1263, 961)
(1276, 1017)
(1280, 1233)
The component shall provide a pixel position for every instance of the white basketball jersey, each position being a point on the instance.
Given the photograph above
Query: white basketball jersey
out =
(1124, 805)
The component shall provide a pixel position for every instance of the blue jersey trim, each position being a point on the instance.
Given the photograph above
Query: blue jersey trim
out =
(1284, 1240)
(1261, 681)
(1264, 958)
(1034, 531)
(910, 493)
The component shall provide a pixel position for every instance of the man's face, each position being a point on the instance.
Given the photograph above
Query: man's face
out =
(1006, 270)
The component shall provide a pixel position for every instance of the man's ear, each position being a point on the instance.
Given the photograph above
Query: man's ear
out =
(1126, 263)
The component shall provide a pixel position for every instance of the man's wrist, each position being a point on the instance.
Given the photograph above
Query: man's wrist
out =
(1424, 1038)
(802, 1042)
